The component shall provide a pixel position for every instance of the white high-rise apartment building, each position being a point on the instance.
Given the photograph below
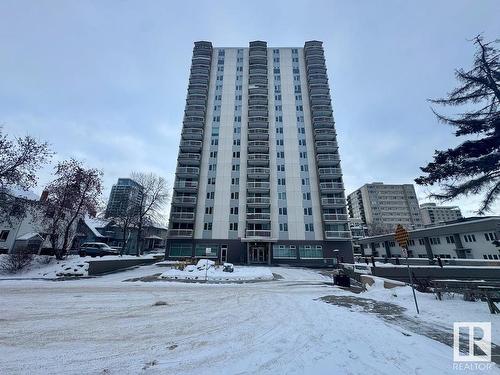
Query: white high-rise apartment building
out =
(434, 214)
(258, 177)
(381, 207)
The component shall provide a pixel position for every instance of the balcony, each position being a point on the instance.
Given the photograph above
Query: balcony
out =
(258, 146)
(334, 217)
(182, 216)
(329, 172)
(258, 201)
(324, 124)
(258, 217)
(338, 235)
(186, 186)
(256, 234)
(184, 233)
(327, 159)
(326, 146)
(187, 172)
(257, 111)
(258, 159)
(187, 146)
(258, 134)
(258, 173)
(258, 187)
(257, 90)
(189, 159)
(192, 134)
(333, 202)
(193, 122)
(324, 134)
(258, 123)
(331, 187)
(188, 201)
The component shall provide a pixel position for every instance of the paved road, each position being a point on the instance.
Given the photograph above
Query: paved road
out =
(106, 326)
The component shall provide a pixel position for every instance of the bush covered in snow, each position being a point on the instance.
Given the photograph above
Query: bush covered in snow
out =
(16, 261)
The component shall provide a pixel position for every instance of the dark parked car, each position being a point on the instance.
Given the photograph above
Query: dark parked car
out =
(96, 249)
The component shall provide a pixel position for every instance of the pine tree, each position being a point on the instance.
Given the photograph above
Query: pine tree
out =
(473, 167)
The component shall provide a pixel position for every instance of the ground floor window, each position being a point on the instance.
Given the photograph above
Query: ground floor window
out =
(181, 250)
(310, 252)
(206, 251)
(284, 252)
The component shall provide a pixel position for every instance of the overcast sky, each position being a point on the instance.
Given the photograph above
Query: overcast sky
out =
(105, 81)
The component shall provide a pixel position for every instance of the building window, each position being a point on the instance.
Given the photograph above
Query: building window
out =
(283, 227)
(234, 211)
(206, 251)
(209, 210)
(233, 226)
(282, 211)
(181, 250)
(207, 226)
(309, 252)
(469, 238)
(284, 252)
(3, 235)
(421, 241)
(488, 236)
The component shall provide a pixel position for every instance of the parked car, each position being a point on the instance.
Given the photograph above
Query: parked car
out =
(96, 249)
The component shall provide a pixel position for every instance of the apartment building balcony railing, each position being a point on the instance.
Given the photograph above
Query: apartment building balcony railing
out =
(255, 134)
(199, 78)
(258, 146)
(326, 146)
(197, 90)
(314, 60)
(255, 111)
(258, 201)
(319, 89)
(257, 100)
(196, 100)
(192, 134)
(327, 159)
(324, 134)
(189, 145)
(331, 187)
(187, 201)
(329, 172)
(258, 173)
(202, 57)
(322, 113)
(189, 159)
(258, 124)
(257, 90)
(334, 217)
(316, 69)
(258, 159)
(324, 124)
(258, 217)
(338, 235)
(189, 172)
(333, 202)
(184, 233)
(186, 186)
(200, 69)
(182, 216)
(257, 233)
(258, 186)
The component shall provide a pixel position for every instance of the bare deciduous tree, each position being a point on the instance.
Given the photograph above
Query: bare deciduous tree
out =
(152, 203)
(74, 193)
(19, 160)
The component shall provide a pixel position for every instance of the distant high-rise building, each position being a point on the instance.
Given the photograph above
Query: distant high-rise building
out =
(434, 214)
(258, 178)
(124, 194)
(381, 207)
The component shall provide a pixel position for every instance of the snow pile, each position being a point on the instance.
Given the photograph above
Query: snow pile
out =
(71, 267)
(206, 270)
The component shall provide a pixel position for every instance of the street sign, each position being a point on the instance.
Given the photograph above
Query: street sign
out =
(401, 236)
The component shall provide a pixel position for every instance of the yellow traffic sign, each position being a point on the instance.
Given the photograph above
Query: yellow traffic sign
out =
(401, 236)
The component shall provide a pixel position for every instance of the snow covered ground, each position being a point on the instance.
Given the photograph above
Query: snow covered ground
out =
(240, 273)
(107, 326)
(48, 267)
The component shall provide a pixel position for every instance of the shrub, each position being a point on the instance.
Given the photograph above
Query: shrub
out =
(16, 261)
